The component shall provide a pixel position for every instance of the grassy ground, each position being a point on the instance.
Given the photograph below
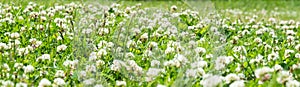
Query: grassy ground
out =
(124, 28)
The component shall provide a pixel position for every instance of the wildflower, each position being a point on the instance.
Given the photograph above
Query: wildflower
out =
(14, 35)
(21, 85)
(59, 82)
(194, 72)
(8, 84)
(44, 57)
(231, 77)
(93, 56)
(169, 50)
(292, 83)
(90, 68)
(44, 82)
(239, 83)
(284, 76)
(61, 48)
(89, 81)
(261, 72)
(287, 53)
(120, 83)
(211, 81)
(257, 40)
(297, 55)
(101, 52)
(290, 32)
(98, 85)
(155, 63)
(173, 8)
(273, 56)
(297, 47)
(199, 64)
(129, 55)
(3, 46)
(159, 85)
(153, 72)
(6, 67)
(59, 73)
(28, 69)
(277, 67)
(200, 50)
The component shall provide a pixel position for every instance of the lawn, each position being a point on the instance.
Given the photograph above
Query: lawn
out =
(133, 43)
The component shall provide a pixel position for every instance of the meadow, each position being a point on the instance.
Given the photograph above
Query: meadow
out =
(179, 43)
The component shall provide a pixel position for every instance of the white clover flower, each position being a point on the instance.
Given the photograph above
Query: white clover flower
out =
(34, 42)
(120, 83)
(231, 77)
(61, 48)
(44, 82)
(209, 56)
(290, 32)
(102, 44)
(224, 59)
(93, 56)
(90, 68)
(148, 52)
(21, 85)
(200, 50)
(6, 67)
(199, 64)
(18, 65)
(153, 72)
(100, 63)
(98, 85)
(101, 52)
(159, 85)
(169, 50)
(297, 47)
(3, 46)
(59, 38)
(103, 31)
(211, 81)
(152, 45)
(273, 20)
(194, 72)
(288, 52)
(14, 35)
(273, 56)
(292, 83)
(89, 81)
(290, 38)
(44, 57)
(277, 67)
(22, 51)
(59, 73)
(284, 76)
(261, 72)
(117, 64)
(297, 55)
(181, 58)
(59, 82)
(257, 40)
(82, 74)
(155, 63)
(144, 36)
(28, 69)
(8, 83)
(173, 7)
(129, 55)
(239, 83)
(191, 73)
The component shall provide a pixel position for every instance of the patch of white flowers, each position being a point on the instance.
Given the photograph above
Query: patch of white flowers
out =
(81, 44)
